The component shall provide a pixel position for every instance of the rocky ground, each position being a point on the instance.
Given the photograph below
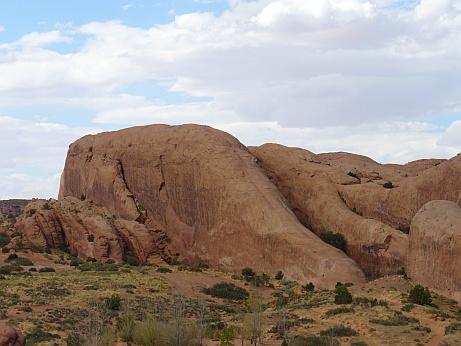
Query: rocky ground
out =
(64, 304)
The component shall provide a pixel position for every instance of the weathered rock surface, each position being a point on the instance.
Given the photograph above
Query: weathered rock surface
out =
(89, 231)
(435, 248)
(10, 336)
(309, 183)
(397, 206)
(204, 190)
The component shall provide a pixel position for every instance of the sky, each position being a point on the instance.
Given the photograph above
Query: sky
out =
(380, 78)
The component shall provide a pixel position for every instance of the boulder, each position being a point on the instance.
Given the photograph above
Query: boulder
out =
(435, 248)
(10, 336)
(204, 191)
(309, 183)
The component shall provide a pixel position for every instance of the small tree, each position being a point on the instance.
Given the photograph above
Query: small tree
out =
(420, 295)
(342, 294)
(248, 274)
(279, 276)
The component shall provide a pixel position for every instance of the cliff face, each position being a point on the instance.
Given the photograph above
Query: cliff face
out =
(310, 184)
(205, 192)
(435, 243)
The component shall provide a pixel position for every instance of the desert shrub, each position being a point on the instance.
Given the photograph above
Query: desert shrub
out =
(11, 257)
(339, 331)
(4, 239)
(397, 320)
(227, 290)
(279, 276)
(32, 212)
(164, 270)
(5, 270)
(370, 302)
(113, 302)
(315, 341)
(21, 261)
(46, 270)
(248, 274)
(342, 295)
(353, 175)
(132, 261)
(101, 337)
(420, 295)
(90, 238)
(125, 326)
(309, 287)
(82, 197)
(32, 269)
(98, 267)
(74, 339)
(388, 185)
(38, 335)
(74, 262)
(149, 332)
(334, 239)
(337, 311)
(452, 328)
(46, 206)
(408, 307)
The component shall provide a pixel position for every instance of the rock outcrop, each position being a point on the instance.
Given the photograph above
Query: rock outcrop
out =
(90, 232)
(435, 248)
(10, 336)
(205, 192)
(398, 205)
(309, 183)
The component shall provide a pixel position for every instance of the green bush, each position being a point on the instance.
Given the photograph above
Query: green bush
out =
(98, 267)
(388, 185)
(74, 262)
(113, 302)
(342, 295)
(309, 287)
(226, 290)
(4, 239)
(132, 261)
(90, 238)
(420, 295)
(315, 341)
(20, 261)
(279, 276)
(337, 311)
(46, 206)
(164, 270)
(248, 274)
(334, 239)
(11, 257)
(339, 331)
(46, 270)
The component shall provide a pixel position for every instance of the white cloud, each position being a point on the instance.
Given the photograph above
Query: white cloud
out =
(357, 75)
(2, 28)
(33, 155)
(126, 7)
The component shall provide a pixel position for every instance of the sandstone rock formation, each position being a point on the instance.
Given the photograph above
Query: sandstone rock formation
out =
(205, 192)
(309, 183)
(90, 231)
(435, 248)
(397, 206)
(10, 336)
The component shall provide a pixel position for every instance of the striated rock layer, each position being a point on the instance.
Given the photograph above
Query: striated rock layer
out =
(90, 232)
(204, 190)
(435, 248)
(310, 183)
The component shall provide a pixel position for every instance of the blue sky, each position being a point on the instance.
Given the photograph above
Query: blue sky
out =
(375, 77)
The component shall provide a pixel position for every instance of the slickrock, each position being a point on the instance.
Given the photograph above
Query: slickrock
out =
(204, 191)
(10, 336)
(398, 205)
(435, 248)
(309, 183)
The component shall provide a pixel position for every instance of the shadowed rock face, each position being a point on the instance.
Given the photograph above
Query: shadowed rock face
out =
(204, 190)
(309, 182)
(435, 247)
(90, 231)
